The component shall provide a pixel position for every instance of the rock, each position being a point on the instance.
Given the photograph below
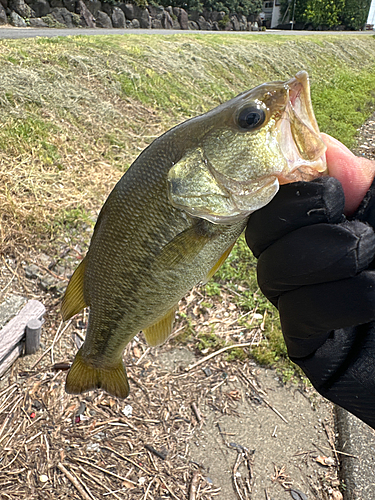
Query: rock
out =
(156, 24)
(134, 24)
(166, 21)
(56, 3)
(40, 8)
(103, 20)
(193, 25)
(48, 282)
(203, 24)
(215, 26)
(183, 19)
(3, 15)
(130, 10)
(4, 3)
(10, 307)
(194, 15)
(134, 12)
(21, 8)
(16, 20)
(37, 22)
(94, 6)
(63, 16)
(156, 11)
(145, 19)
(86, 18)
(235, 23)
(118, 18)
(242, 22)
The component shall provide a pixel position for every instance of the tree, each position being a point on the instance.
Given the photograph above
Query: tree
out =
(245, 7)
(324, 12)
(355, 13)
(286, 10)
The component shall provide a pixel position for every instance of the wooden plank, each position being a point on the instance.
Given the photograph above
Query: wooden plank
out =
(11, 358)
(14, 330)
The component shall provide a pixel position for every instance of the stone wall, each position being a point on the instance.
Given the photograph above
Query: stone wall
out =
(97, 14)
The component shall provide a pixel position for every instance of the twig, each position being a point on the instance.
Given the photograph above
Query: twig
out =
(170, 491)
(104, 470)
(216, 353)
(234, 475)
(10, 463)
(331, 442)
(193, 485)
(101, 483)
(126, 459)
(213, 389)
(197, 414)
(155, 452)
(261, 397)
(8, 418)
(143, 355)
(74, 481)
(341, 452)
(148, 489)
(53, 343)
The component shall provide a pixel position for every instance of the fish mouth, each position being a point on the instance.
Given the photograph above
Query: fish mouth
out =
(299, 139)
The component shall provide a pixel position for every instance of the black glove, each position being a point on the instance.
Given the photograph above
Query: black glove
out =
(316, 268)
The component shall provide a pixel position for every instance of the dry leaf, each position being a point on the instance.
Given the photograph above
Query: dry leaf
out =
(327, 461)
(336, 495)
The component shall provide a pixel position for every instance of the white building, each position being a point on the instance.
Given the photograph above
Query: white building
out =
(371, 14)
(271, 11)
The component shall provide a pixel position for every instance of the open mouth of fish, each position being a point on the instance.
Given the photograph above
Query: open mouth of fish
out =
(300, 141)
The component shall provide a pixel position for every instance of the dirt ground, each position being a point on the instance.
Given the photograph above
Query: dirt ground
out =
(226, 430)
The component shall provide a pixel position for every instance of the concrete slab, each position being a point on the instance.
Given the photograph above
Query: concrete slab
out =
(357, 471)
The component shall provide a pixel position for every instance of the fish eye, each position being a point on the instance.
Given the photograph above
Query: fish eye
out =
(251, 118)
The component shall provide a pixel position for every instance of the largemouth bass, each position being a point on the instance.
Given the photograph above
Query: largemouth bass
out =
(173, 218)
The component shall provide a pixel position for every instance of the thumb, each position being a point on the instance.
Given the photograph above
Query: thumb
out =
(355, 173)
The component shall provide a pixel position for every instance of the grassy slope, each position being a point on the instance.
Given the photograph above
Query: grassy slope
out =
(76, 111)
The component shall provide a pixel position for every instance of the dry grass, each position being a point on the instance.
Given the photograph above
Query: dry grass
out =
(75, 112)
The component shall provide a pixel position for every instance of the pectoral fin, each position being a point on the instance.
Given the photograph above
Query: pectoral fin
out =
(83, 377)
(73, 301)
(158, 333)
(219, 263)
(184, 247)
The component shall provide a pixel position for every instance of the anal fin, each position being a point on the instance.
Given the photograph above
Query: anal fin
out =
(74, 301)
(83, 377)
(158, 333)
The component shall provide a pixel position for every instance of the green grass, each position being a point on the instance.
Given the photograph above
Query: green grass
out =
(76, 111)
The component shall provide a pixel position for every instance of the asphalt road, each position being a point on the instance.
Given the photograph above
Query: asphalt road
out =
(11, 32)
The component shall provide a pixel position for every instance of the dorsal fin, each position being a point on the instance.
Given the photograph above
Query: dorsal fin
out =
(74, 301)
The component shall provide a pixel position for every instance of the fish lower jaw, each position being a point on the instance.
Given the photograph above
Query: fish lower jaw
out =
(304, 172)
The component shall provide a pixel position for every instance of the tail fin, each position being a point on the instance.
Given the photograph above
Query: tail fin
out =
(83, 377)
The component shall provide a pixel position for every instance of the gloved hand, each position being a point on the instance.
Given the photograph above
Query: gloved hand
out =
(315, 266)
